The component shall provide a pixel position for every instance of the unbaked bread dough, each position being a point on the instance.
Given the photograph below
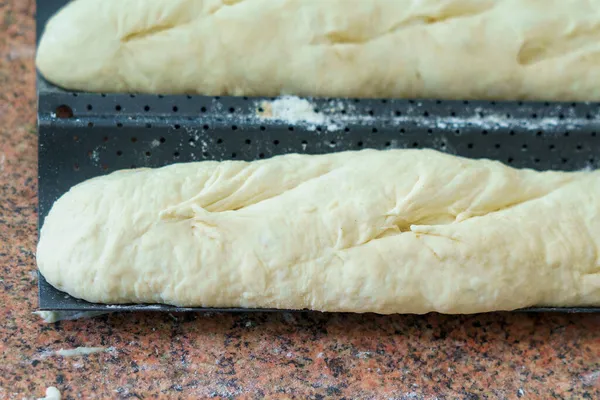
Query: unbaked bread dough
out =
(399, 231)
(455, 49)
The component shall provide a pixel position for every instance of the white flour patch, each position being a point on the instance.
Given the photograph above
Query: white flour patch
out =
(155, 143)
(292, 110)
(77, 352)
(52, 393)
(297, 111)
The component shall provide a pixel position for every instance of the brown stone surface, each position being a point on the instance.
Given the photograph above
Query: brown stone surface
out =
(252, 356)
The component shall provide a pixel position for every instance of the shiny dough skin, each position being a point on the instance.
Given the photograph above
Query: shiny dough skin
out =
(451, 49)
(398, 231)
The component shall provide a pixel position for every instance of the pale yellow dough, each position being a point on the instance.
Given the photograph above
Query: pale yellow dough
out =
(399, 231)
(485, 49)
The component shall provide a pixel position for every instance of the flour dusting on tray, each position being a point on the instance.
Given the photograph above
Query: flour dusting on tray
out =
(294, 110)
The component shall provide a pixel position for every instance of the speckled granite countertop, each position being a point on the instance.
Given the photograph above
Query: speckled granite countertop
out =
(251, 356)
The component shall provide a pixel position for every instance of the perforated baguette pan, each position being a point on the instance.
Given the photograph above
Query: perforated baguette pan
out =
(83, 135)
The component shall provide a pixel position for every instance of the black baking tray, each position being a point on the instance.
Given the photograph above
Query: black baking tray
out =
(83, 135)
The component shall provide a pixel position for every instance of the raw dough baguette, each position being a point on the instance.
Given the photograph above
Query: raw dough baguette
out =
(400, 231)
(455, 49)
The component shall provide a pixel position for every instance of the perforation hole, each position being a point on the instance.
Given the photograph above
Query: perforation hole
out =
(536, 160)
(534, 116)
(290, 128)
(205, 127)
(374, 130)
(205, 154)
(177, 126)
(551, 147)
(261, 155)
(105, 139)
(426, 114)
(248, 141)
(512, 133)
(148, 125)
(119, 153)
(398, 113)
(176, 154)
(566, 134)
(524, 147)
(89, 107)
(360, 144)
(146, 108)
(510, 160)
(117, 107)
(593, 134)
(90, 125)
(219, 141)
(231, 110)
(133, 139)
(119, 125)
(497, 145)
(470, 145)
(233, 155)
(371, 112)
(162, 140)
(388, 144)
(148, 154)
(564, 160)
(457, 132)
(346, 129)
(539, 133)
(579, 147)
(175, 108)
(192, 142)
(203, 109)
(262, 128)
(589, 116)
(132, 96)
(415, 144)
(275, 142)
(484, 132)
(64, 112)
(561, 116)
(429, 130)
